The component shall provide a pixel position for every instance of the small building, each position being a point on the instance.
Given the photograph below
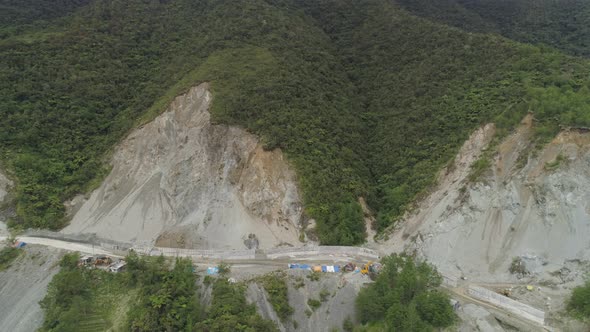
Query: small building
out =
(102, 260)
(85, 260)
(118, 266)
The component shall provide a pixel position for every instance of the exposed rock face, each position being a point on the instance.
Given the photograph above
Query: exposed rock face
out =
(181, 181)
(532, 205)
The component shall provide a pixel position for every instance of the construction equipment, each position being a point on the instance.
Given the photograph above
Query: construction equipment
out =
(365, 269)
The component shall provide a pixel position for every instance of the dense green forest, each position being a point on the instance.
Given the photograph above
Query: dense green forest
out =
(579, 303)
(563, 24)
(365, 98)
(404, 297)
(152, 294)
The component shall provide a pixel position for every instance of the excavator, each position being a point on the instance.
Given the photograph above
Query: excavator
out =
(365, 268)
(371, 269)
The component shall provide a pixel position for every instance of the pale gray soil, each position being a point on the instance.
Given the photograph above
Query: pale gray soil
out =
(23, 285)
(531, 205)
(180, 181)
(339, 305)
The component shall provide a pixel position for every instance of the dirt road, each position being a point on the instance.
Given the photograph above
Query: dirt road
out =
(264, 264)
(65, 245)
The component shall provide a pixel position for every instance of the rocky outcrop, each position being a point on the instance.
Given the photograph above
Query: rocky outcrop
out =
(180, 181)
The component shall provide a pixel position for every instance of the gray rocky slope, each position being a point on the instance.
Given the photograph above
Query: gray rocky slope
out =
(532, 206)
(181, 181)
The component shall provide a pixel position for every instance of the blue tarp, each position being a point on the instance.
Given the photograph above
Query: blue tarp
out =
(20, 244)
(336, 268)
(324, 268)
(212, 270)
(299, 266)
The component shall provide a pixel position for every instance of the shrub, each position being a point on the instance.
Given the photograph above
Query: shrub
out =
(7, 256)
(224, 269)
(314, 304)
(348, 325)
(579, 303)
(314, 276)
(324, 293)
(479, 167)
(404, 297)
(276, 286)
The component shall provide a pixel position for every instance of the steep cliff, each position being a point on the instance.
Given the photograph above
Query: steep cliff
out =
(181, 181)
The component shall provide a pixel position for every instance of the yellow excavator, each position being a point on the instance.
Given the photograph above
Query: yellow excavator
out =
(365, 269)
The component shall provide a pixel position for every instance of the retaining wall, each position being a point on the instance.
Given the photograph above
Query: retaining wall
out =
(521, 309)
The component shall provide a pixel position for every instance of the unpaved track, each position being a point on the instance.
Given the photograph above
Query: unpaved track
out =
(65, 245)
(282, 263)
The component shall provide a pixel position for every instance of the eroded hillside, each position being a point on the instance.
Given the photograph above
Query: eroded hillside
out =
(524, 221)
(23, 285)
(180, 181)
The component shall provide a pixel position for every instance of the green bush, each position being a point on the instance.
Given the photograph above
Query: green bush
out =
(167, 298)
(324, 293)
(579, 303)
(404, 297)
(479, 167)
(275, 285)
(433, 308)
(314, 304)
(7, 256)
(348, 325)
(150, 295)
(229, 311)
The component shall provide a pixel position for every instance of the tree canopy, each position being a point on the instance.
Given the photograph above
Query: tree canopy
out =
(404, 297)
(365, 98)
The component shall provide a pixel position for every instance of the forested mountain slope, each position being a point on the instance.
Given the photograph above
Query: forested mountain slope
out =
(563, 24)
(366, 99)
